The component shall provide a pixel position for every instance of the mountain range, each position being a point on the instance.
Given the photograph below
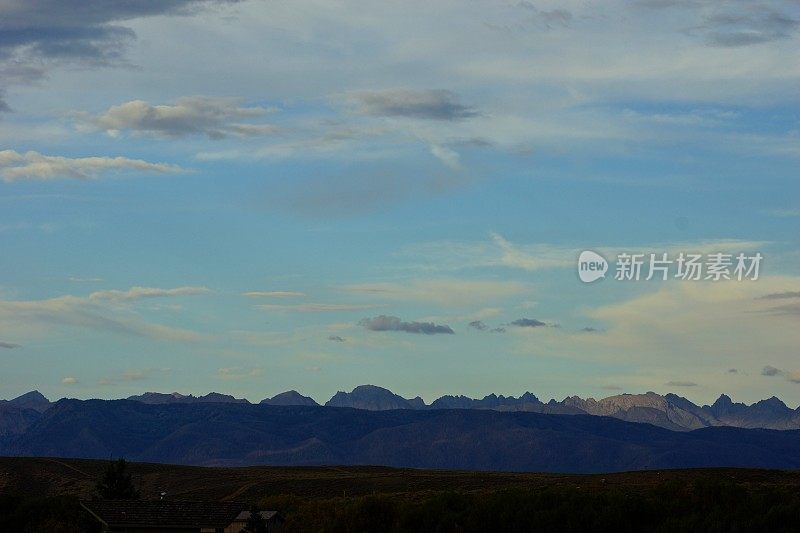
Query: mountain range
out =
(240, 434)
(175, 397)
(669, 411)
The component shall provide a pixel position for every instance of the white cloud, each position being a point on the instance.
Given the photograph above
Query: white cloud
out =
(15, 166)
(135, 375)
(69, 380)
(137, 293)
(237, 373)
(515, 257)
(317, 307)
(784, 213)
(704, 323)
(683, 331)
(274, 294)
(527, 71)
(443, 291)
(680, 383)
(213, 117)
(39, 317)
(500, 252)
(449, 157)
(350, 142)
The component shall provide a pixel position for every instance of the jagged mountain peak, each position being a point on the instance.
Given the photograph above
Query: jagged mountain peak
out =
(29, 396)
(290, 397)
(370, 389)
(177, 397)
(529, 397)
(233, 435)
(670, 411)
(723, 400)
(772, 403)
(373, 398)
(31, 400)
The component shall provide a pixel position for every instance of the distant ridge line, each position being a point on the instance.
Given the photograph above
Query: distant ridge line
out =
(669, 411)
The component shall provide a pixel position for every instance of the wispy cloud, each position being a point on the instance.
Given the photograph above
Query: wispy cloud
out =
(446, 155)
(317, 307)
(784, 213)
(43, 227)
(142, 374)
(430, 105)
(238, 373)
(785, 302)
(697, 325)
(86, 313)
(781, 295)
(8, 345)
(500, 252)
(69, 380)
(274, 294)
(747, 27)
(333, 141)
(351, 194)
(680, 384)
(792, 309)
(15, 166)
(137, 293)
(496, 252)
(532, 259)
(443, 291)
(214, 117)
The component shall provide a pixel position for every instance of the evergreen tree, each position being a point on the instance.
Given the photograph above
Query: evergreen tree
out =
(256, 522)
(116, 483)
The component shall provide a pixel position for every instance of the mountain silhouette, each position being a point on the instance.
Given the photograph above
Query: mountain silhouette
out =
(239, 434)
(670, 411)
(291, 397)
(31, 400)
(373, 398)
(175, 397)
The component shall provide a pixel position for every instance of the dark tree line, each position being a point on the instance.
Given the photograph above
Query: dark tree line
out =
(116, 483)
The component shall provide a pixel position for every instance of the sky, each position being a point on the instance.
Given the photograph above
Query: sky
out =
(250, 197)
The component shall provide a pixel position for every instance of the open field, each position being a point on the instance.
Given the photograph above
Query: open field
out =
(41, 494)
(52, 477)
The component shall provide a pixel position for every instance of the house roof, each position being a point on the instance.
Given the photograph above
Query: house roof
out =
(266, 515)
(164, 513)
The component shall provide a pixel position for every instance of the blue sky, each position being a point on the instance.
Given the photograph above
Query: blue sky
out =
(228, 196)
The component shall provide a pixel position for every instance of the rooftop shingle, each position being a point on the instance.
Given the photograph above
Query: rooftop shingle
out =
(121, 513)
